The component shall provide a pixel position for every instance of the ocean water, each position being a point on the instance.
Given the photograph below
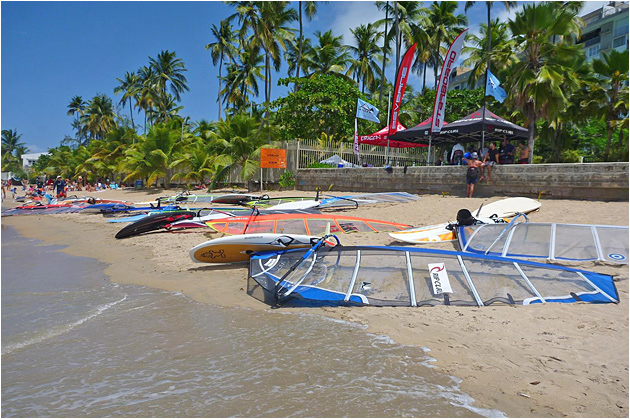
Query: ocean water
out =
(76, 345)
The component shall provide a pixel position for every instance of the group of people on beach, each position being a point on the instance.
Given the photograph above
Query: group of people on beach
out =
(487, 157)
(58, 188)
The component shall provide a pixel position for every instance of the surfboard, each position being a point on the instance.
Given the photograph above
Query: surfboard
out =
(230, 249)
(296, 205)
(492, 213)
(508, 207)
(435, 233)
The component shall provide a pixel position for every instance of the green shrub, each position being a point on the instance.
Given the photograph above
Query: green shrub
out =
(287, 180)
(321, 166)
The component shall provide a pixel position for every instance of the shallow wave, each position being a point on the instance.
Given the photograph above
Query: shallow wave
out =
(60, 329)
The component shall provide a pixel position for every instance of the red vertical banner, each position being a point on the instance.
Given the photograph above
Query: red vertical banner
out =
(439, 107)
(399, 88)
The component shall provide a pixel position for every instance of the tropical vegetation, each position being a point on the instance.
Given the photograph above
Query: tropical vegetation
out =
(571, 107)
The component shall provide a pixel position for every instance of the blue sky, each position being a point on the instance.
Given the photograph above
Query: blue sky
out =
(52, 51)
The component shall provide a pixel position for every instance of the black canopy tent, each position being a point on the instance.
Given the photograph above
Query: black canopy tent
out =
(466, 130)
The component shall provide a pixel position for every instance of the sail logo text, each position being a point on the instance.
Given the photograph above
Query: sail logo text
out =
(439, 279)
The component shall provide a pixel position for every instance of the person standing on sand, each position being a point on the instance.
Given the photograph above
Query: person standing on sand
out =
(472, 173)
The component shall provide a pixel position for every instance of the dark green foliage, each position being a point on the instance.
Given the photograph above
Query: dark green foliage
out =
(321, 104)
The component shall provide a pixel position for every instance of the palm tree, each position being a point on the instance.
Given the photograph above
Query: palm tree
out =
(237, 145)
(610, 92)
(540, 83)
(223, 48)
(501, 57)
(329, 56)
(267, 22)
(273, 33)
(129, 87)
(194, 164)
(444, 26)
(290, 58)
(152, 156)
(365, 67)
(99, 117)
(310, 8)
(76, 108)
(242, 79)
(168, 73)
(10, 144)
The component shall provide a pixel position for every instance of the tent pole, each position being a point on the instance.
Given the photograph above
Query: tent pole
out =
(485, 87)
(429, 150)
(389, 96)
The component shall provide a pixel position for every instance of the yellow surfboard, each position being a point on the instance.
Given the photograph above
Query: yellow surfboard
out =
(231, 249)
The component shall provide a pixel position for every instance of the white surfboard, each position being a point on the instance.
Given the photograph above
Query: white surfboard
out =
(507, 207)
(494, 212)
(434, 233)
(238, 248)
(296, 205)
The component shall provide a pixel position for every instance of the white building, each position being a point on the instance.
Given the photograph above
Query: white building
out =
(29, 159)
(605, 29)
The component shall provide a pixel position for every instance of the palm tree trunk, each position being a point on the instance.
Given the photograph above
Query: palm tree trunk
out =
(609, 134)
(384, 52)
(531, 128)
(397, 33)
(219, 93)
(131, 114)
(424, 77)
(299, 57)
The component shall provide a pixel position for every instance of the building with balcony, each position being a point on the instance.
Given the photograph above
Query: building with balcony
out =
(605, 29)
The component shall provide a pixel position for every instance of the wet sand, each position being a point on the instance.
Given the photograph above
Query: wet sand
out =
(535, 361)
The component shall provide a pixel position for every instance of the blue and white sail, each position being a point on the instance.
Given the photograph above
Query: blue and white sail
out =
(403, 276)
(552, 241)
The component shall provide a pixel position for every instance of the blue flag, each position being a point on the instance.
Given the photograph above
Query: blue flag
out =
(493, 88)
(367, 111)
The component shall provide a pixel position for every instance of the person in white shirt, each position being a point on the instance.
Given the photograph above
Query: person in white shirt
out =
(456, 147)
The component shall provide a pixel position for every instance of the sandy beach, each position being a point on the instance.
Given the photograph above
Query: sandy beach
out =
(549, 360)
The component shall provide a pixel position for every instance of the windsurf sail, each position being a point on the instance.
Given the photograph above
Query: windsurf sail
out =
(401, 276)
(368, 198)
(308, 224)
(42, 209)
(553, 241)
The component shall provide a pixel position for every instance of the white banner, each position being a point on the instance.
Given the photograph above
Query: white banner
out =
(439, 107)
(439, 279)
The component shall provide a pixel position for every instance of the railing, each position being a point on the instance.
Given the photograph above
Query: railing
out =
(310, 152)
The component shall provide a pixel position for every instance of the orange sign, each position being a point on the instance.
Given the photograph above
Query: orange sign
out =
(273, 158)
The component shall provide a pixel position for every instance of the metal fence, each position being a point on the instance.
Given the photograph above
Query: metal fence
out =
(311, 152)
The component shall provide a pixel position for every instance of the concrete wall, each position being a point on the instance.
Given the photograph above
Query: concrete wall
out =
(588, 181)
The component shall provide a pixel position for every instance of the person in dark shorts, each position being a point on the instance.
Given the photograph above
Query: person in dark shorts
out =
(492, 158)
(472, 173)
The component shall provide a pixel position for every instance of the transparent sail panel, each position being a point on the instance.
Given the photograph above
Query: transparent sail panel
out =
(423, 280)
(614, 243)
(383, 283)
(498, 282)
(291, 227)
(567, 242)
(556, 284)
(574, 242)
(529, 240)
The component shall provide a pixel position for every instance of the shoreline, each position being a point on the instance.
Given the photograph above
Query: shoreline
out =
(576, 353)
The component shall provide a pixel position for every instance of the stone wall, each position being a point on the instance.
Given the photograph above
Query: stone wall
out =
(589, 181)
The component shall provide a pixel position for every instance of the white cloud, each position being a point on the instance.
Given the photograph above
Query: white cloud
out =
(350, 14)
